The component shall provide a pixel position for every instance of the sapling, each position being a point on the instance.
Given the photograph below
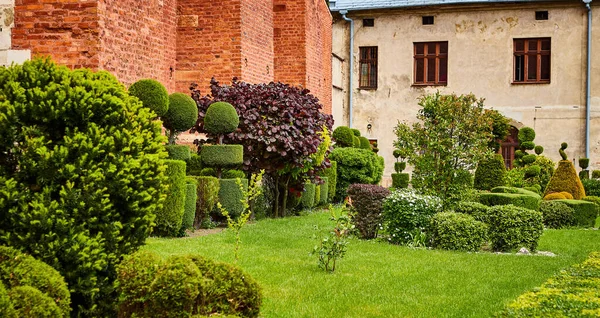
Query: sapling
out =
(334, 245)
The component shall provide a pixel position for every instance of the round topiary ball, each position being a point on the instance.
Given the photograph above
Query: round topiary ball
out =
(538, 150)
(343, 136)
(182, 113)
(356, 132)
(152, 94)
(527, 145)
(527, 159)
(221, 118)
(526, 134)
(397, 153)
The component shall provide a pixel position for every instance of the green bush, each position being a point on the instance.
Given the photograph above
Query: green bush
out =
(206, 199)
(565, 179)
(221, 118)
(596, 174)
(230, 196)
(6, 308)
(557, 214)
(308, 196)
(356, 132)
(593, 199)
(331, 174)
(405, 213)
(367, 201)
(570, 293)
(521, 200)
(399, 166)
(29, 302)
(152, 94)
(189, 209)
(317, 195)
(343, 137)
(400, 180)
(585, 212)
(535, 189)
(526, 134)
(528, 159)
(193, 165)
(490, 173)
(222, 156)
(538, 150)
(225, 174)
(532, 171)
(355, 165)
(477, 210)
(81, 176)
(512, 227)
(555, 196)
(591, 186)
(584, 163)
(364, 143)
(134, 279)
(168, 220)
(178, 152)
(324, 190)
(456, 231)
(584, 175)
(515, 190)
(356, 142)
(182, 113)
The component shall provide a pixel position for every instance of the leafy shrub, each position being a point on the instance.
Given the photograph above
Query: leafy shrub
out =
(317, 195)
(364, 143)
(178, 152)
(596, 174)
(514, 190)
(585, 212)
(308, 197)
(538, 150)
(152, 94)
(565, 179)
(6, 307)
(356, 132)
(584, 174)
(367, 201)
(512, 227)
(535, 189)
(343, 136)
(400, 180)
(29, 302)
(193, 165)
(555, 196)
(526, 134)
(521, 200)
(331, 174)
(355, 165)
(584, 163)
(356, 142)
(134, 280)
(456, 231)
(399, 166)
(406, 212)
(168, 220)
(567, 195)
(221, 118)
(181, 115)
(80, 175)
(207, 197)
(222, 156)
(189, 210)
(570, 293)
(591, 187)
(477, 210)
(324, 190)
(593, 199)
(557, 214)
(490, 173)
(230, 196)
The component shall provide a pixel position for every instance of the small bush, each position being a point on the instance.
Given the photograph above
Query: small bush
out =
(585, 212)
(526, 134)
(557, 214)
(178, 152)
(230, 196)
(364, 143)
(490, 173)
(168, 220)
(593, 199)
(356, 142)
(532, 171)
(356, 132)
(400, 180)
(193, 165)
(565, 179)
(135, 274)
(596, 174)
(207, 197)
(222, 156)
(355, 166)
(584, 163)
(514, 190)
(182, 113)
(591, 186)
(456, 231)
(343, 136)
(152, 94)
(535, 189)
(405, 212)
(189, 210)
(477, 210)
(308, 196)
(521, 200)
(584, 175)
(567, 195)
(324, 190)
(367, 201)
(331, 174)
(528, 159)
(221, 118)
(512, 227)
(538, 150)
(29, 302)
(6, 307)
(555, 196)
(399, 166)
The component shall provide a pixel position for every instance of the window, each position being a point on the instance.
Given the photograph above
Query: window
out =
(431, 63)
(541, 15)
(532, 60)
(368, 22)
(427, 20)
(368, 67)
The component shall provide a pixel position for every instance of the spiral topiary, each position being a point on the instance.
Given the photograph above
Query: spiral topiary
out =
(221, 118)
(152, 94)
(181, 116)
(562, 152)
(343, 137)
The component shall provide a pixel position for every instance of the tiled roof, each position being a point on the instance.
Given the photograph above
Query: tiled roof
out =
(353, 5)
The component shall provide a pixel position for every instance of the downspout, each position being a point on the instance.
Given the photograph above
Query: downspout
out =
(350, 94)
(588, 88)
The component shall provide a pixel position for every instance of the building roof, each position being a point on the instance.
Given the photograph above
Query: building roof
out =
(356, 5)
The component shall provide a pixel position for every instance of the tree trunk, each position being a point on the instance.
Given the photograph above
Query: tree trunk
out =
(285, 196)
(276, 205)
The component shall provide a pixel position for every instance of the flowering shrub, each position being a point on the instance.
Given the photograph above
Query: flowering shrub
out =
(406, 213)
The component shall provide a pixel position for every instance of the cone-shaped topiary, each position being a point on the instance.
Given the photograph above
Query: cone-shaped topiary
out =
(490, 173)
(181, 115)
(152, 94)
(343, 137)
(221, 118)
(565, 179)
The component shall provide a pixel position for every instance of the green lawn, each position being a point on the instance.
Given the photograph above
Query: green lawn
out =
(377, 279)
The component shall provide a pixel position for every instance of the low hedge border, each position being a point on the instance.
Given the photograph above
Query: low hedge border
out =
(223, 156)
(531, 202)
(585, 212)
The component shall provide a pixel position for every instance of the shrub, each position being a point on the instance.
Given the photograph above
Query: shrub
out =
(134, 280)
(222, 155)
(477, 210)
(555, 196)
(585, 212)
(593, 199)
(405, 212)
(584, 174)
(308, 196)
(6, 307)
(567, 195)
(584, 163)
(355, 166)
(490, 173)
(331, 174)
(221, 118)
(29, 302)
(535, 189)
(207, 197)
(538, 150)
(343, 136)
(521, 200)
(364, 143)
(400, 180)
(81, 176)
(526, 134)
(399, 166)
(324, 190)
(596, 174)
(356, 142)
(557, 214)
(181, 115)
(168, 220)
(356, 132)
(189, 210)
(532, 171)
(528, 159)
(514, 190)
(565, 179)
(456, 231)
(152, 94)
(367, 201)
(528, 145)
(591, 187)
(512, 227)
(230, 196)
(225, 174)
(178, 152)
(193, 165)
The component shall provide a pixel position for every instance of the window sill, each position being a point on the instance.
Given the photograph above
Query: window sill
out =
(428, 84)
(530, 83)
(368, 88)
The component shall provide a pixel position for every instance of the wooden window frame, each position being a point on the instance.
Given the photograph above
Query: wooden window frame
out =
(528, 54)
(426, 56)
(368, 58)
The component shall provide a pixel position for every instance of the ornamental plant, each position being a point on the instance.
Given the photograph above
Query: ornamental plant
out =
(490, 173)
(565, 178)
(355, 165)
(367, 201)
(81, 175)
(456, 231)
(584, 163)
(334, 245)
(181, 115)
(152, 94)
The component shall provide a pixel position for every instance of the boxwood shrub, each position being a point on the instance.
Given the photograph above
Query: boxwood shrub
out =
(331, 175)
(355, 165)
(230, 195)
(207, 190)
(193, 165)
(565, 178)
(457, 231)
(189, 210)
(178, 152)
(557, 214)
(367, 201)
(308, 196)
(591, 186)
(152, 94)
(343, 136)
(406, 213)
(585, 213)
(516, 190)
(324, 190)
(522, 200)
(222, 156)
(475, 209)
(400, 180)
(490, 173)
(168, 220)
(512, 227)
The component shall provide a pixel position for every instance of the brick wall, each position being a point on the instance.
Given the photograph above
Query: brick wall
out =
(138, 41)
(257, 41)
(318, 51)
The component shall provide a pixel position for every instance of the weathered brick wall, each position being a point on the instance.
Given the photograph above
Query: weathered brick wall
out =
(208, 42)
(318, 51)
(257, 40)
(66, 30)
(138, 41)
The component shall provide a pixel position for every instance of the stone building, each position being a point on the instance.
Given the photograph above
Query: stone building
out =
(177, 41)
(527, 58)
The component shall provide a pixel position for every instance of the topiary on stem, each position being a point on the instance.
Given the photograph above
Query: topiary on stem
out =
(181, 115)
(152, 94)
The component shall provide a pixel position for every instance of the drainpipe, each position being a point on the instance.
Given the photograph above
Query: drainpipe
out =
(350, 103)
(588, 88)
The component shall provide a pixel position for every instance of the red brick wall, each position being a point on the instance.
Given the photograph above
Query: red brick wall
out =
(208, 42)
(257, 41)
(138, 41)
(66, 30)
(318, 51)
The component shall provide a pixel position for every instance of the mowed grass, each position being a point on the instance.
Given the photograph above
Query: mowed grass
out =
(377, 279)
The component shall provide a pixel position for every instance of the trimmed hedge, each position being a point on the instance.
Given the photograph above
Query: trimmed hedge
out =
(152, 94)
(230, 196)
(308, 196)
(367, 202)
(182, 113)
(324, 190)
(557, 214)
(222, 156)
(514, 190)
(355, 165)
(225, 174)
(178, 152)
(591, 186)
(593, 199)
(457, 231)
(317, 194)
(475, 209)
(189, 213)
(364, 143)
(221, 118)
(596, 174)
(331, 175)
(207, 197)
(193, 165)
(168, 220)
(490, 173)
(585, 213)
(520, 200)
(343, 136)
(570, 293)
(400, 180)
(512, 227)
(399, 166)
(565, 178)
